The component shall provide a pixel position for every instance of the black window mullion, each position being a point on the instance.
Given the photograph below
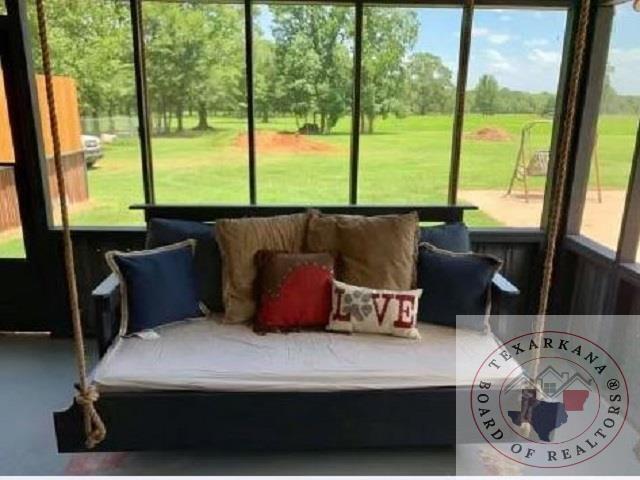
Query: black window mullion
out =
(355, 111)
(461, 88)
(142, 104)
(248, 31)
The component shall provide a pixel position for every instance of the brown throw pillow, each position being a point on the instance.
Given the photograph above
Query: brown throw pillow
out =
(375, 252)
(239, 241)
(294, 291)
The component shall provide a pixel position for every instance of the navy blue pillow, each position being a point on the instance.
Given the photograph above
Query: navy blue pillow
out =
(448, 236)
(454, 284)
(160, 286)
(161, 232)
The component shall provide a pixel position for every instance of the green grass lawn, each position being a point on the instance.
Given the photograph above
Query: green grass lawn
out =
(406, 161)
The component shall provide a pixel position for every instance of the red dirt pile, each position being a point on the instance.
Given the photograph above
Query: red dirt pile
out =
(277, 142)
(489, 134)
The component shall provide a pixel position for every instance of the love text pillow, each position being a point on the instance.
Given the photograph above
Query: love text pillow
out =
(294, 290)
(360, 309)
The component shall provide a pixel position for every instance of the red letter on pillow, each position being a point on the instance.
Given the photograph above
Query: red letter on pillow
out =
(338, 315)
(405, 313)
(381, 314)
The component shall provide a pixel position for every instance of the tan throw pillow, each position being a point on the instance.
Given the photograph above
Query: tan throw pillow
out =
(374, 252)
(389, 312)
(239, 241)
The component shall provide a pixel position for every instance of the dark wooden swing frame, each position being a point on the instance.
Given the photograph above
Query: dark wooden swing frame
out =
(161, 420)
(620, 276)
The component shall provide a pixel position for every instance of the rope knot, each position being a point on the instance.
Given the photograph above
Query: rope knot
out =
(87, 396)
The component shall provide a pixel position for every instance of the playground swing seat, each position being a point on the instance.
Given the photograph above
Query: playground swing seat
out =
(536, 163)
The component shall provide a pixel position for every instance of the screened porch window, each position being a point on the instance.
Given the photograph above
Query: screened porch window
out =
(410, 62)
(11, 239)
(616, 130)
(195, 66)
(514, 70)
(303, 87)
(350, 103)
(94, 87)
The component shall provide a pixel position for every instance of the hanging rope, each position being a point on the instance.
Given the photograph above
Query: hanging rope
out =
(87, 394)
(560, 180)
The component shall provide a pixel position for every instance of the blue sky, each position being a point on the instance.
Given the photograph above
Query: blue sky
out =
(521, 48)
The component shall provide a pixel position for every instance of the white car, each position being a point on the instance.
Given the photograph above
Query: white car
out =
(92, 147)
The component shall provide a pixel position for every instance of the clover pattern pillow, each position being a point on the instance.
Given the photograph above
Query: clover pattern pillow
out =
(360, 309)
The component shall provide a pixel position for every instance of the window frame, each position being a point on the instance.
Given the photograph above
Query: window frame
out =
(592, 84)
(626, 250)
(467, 8)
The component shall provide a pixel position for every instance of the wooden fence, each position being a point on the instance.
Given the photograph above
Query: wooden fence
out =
(74, 166)
(9, 213)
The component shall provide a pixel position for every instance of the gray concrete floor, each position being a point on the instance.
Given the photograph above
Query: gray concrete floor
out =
(36, 379)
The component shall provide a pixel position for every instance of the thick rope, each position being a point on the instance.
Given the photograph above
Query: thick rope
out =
(87, 394)
(560, 180)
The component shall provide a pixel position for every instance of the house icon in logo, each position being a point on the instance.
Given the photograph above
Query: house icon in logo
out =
(550, 385)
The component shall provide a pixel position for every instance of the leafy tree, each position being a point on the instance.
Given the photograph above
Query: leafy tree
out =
(430, 84)
(299, 66)
(312, 56)
(614, 103)
(93, 46)
(549, 104)
(220, 82)
(388, 35)
(194, 56)
(267, 87)
(174, 42)
(486, 95)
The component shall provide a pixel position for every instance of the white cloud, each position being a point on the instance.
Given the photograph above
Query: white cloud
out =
(498, 38)
(538, 55)
(626, 70)
(480, 32)
(536, 42)
(497, 62)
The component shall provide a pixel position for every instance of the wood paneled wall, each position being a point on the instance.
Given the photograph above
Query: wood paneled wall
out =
(518, 249)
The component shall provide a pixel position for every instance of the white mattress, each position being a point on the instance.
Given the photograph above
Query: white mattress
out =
(203, 354)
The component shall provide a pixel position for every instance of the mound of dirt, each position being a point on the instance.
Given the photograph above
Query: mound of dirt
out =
(490, 134)
(284, 142)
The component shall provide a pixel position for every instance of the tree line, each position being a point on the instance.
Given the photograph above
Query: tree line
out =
(303, 66)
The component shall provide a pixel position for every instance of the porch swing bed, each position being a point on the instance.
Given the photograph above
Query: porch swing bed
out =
(203, 384)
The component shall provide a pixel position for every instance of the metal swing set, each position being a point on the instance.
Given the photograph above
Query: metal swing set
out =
(535, 163)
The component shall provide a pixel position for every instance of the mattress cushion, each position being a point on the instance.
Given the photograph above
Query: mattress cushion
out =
(204, 354)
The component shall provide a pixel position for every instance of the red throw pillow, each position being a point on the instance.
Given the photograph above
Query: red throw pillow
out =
(294, 290)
